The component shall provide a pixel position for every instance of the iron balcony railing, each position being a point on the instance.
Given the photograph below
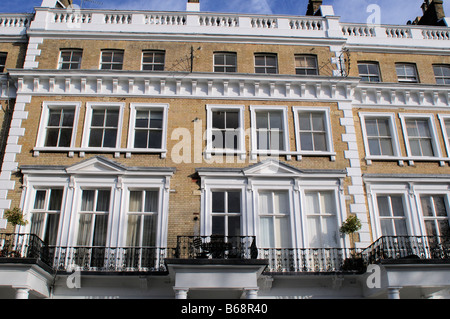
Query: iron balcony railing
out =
(312, 260)
(109, 259)
(282, 261)
(216, 247)
(23, 246)
(397, 248)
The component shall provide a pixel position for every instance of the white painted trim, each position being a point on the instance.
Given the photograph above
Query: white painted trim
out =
(394, 135)
(434, 137)
(442, 118)
(329, 134)
(241, 151)
(88, 116)
(156, 106)
(254, 149)
(46, 106)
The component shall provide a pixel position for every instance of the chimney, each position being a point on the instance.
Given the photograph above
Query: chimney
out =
(433, 13)
(193, 5)
(313, 7)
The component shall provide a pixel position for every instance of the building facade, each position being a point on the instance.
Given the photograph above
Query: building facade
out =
(194, 155)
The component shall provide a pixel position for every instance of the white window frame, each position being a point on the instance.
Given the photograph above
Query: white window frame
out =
(405, 79)
(225, 66)
(306, 56)
(113, 51)
(90, 106)
(134, 107)
(153, 64)
(210, 108)
(40, 140)
(71, 50)
(254, 140)
(328, 132)
(226, 185)
(442, 118)
(389, 189)
(434, 138)
(394, 135)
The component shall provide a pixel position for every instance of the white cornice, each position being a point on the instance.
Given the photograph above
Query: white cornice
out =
(182, 84)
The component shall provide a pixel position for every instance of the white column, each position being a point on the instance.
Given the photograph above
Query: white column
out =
(22, 293)
(251, 293)
(394, 292)
(181, 293)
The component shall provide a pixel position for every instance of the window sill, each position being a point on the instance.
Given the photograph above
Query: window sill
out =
(410, 159)
(289, 154)
(225, 152)
(83, 150)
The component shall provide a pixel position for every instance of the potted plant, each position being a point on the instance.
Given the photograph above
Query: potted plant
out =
(15, 217)
(350, 227)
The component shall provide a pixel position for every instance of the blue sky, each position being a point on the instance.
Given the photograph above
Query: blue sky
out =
(392, 11)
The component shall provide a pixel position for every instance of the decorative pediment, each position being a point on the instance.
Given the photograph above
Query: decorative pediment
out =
(96, 165)
(269, 168)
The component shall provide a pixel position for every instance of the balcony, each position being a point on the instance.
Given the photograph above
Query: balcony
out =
(26, 248)
(409, 249)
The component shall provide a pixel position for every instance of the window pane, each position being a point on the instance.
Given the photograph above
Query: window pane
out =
(320, 142)
(110, 138)
(439, 204)
(112, 118)
(150, 229)
(52, 137)
(383, 206)
(386, 227)
(136, 201)
(84, 230)
(100, 230)
(65, 138)
(234, 202)
(51, 231)
(39, 200)
(265, 203)
(281, 202)
(140, 139)
(283, 233)
(218, 225)
(55, 199)
(262, 119)
(155, 139)
(98, 117)
(374, 147)
(276, 120)
(218, 202)
(234, 226)
(103, 200)
(156, 119)
(87, 201)
(151, 201)
(133, 230)
(142, 119)
(427, 209)
(54, 117)
(306, 141)
(232, 119)
(218, 119)
(318, 121)
(397, 206)
(37, 224)
(68, 117)
(266, 230)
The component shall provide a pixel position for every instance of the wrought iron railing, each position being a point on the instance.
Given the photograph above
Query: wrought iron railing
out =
(109, 259)
(216, 247)
(23, 246)
(316, 260)
(408, 247)
(286, 260)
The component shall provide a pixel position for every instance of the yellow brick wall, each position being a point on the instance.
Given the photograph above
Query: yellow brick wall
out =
(185, 201)
(387, 61)
(16, 54)
(177, 56)
(392, 167)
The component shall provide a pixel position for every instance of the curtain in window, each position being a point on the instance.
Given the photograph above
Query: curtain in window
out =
(274, 219)
(84, 230)
(322, 221)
